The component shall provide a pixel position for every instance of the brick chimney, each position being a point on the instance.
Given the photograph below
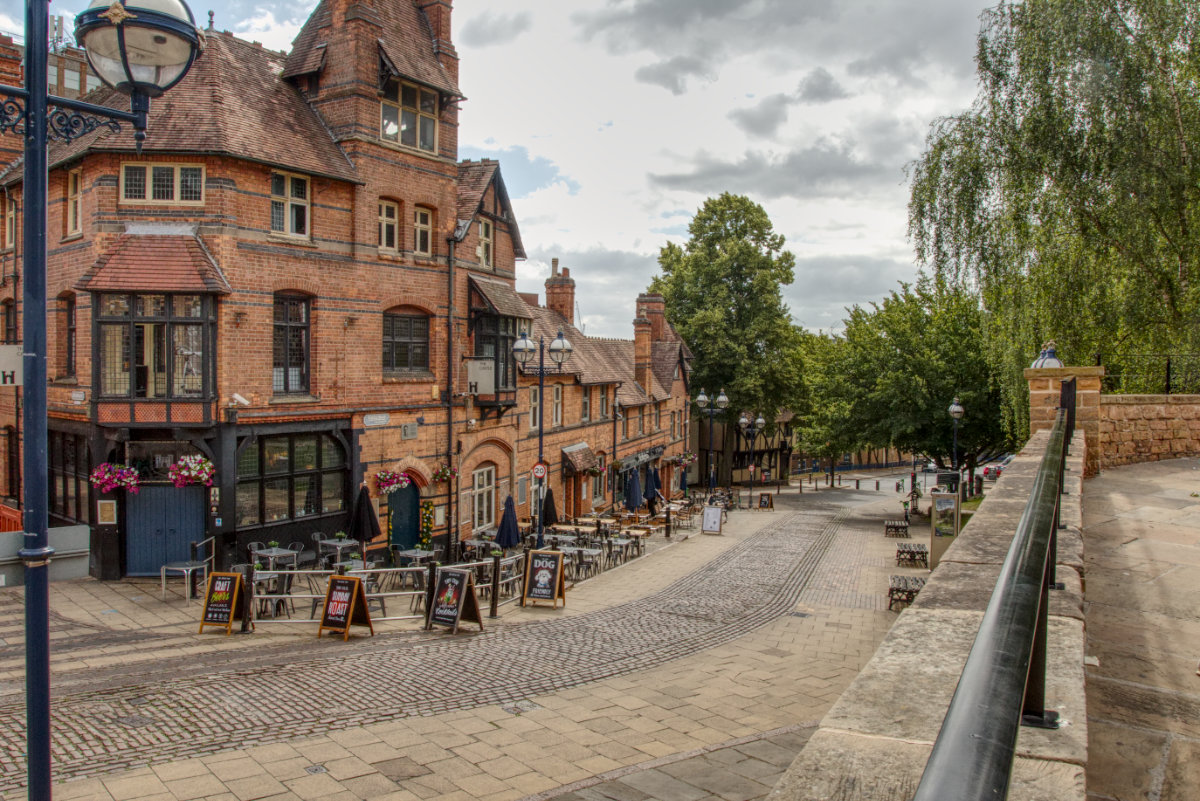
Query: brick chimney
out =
(560, 292)
(438, 14)
(654, 309)
(641, 349)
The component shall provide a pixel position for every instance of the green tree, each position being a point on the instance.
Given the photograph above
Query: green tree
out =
(890, 378)
(1068, 191)
(723, 295)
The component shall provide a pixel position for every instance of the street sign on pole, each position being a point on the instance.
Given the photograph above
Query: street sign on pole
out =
(539, 470)
(12, 365)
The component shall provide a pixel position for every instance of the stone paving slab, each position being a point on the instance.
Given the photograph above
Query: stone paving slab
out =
(720, 700)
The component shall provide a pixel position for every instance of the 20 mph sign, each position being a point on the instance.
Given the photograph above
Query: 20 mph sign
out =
(539, 470)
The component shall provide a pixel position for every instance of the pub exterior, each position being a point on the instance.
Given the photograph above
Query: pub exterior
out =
(297, 285)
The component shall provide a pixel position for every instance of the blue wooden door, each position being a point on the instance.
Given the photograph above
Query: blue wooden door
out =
(160, 524)
(405, 514)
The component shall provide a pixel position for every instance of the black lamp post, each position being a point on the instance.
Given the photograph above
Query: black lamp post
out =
(616, 417)
(560, 350)
(751, 429)
(956, 411)
(141, 48)
(719, 402)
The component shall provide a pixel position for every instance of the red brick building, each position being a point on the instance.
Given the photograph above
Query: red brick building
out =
(298, 281)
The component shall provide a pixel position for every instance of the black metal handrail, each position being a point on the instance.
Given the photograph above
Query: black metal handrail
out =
(1003, 682)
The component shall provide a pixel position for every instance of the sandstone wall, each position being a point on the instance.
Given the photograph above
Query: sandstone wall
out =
(1147, 428)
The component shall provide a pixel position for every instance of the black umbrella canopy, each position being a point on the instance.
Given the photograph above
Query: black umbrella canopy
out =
(633, 492)
(508, 535)
(652, 483)
(549, 513)
(364, 524)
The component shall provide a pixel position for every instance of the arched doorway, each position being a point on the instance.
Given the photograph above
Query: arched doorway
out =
(404, 517)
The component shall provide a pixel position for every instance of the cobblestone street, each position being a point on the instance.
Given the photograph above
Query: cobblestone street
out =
(675, 657)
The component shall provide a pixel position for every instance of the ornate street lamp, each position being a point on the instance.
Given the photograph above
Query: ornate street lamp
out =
(956, 411)
(156, 42)
(751, 429)
(720, 402)
(560, 350)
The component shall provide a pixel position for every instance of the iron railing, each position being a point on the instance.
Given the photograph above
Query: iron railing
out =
(1150, 373)
(1003, 684)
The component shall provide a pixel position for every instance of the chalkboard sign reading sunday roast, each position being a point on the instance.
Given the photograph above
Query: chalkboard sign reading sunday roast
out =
(345, 606)
(545, 579)
(453, 600)
(224, 601)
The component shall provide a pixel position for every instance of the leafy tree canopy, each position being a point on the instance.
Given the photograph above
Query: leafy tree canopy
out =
(1069, 190)
(723, 295)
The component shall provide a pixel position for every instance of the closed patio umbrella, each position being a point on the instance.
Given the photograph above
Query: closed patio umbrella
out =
(549, 515)
(364, 524)
(633, 492)
(508, 535)
(653, 484)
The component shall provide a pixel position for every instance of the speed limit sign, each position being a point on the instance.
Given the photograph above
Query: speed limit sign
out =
(539, 470)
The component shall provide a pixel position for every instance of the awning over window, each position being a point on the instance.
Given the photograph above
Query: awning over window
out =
(155, 263)
(501, 298)
(579, 457)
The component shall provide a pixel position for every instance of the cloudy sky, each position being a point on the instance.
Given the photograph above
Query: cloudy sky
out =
(614, 120)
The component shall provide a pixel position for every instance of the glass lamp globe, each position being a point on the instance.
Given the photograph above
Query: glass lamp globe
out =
(139, 46)
(722, 401)
(560, 349)
(523, 348)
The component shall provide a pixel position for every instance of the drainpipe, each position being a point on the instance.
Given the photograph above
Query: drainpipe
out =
(452, 502)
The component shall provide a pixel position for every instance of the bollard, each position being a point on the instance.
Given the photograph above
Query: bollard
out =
(495, 610)
(856, 483)
(876, 485)
(525, 573)
(430, 587)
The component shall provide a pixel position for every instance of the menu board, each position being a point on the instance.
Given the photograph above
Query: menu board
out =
(544, 578)
(453, 600)
(710, 520)
(224, 601)
(944, 523)
(345, 606)
(766, 501)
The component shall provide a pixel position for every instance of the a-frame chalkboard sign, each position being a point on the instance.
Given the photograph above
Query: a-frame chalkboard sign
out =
(766, 501)
(224, 601)
(345, 606)
(545, 579)
(453, 600)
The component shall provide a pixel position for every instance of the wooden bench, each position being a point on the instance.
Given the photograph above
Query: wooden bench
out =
(912, 554)
(895, 528)
(902, 589)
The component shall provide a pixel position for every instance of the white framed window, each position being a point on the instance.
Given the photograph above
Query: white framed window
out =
(485, 243)
(598, 484)
(422, 231)
(535, 407)
(557, 419)
(408, 115)
(522, 489)
(641, 419)
(162, 183)
(658, 417)
(672, 425)
(71, 77)
(389, 222)
(74, 180)
(585, 406)
(289, 204)
(10, 224)
(603, 404)
(52, 77)
(483, 498)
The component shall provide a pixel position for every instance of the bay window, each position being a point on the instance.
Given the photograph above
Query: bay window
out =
(155, 346)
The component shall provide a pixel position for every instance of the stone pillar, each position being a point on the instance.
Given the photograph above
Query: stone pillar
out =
(1044, 385)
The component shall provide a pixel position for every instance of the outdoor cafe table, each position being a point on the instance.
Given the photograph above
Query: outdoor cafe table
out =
(273, 554)
(337, 545)
(480, 545)
(415, 555)
(189, 571)
(354, 564)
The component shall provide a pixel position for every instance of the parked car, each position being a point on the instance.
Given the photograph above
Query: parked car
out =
(994, 470)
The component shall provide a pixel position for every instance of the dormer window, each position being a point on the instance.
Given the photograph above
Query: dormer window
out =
(485, 243)
(408, 115)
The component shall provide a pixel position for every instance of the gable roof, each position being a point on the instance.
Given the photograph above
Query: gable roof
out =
(406, 44)
(474, 178)
(232, 103)
(145, 262)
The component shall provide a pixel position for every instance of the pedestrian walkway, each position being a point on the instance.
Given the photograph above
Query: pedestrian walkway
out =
(1142, 565)
(714, 652)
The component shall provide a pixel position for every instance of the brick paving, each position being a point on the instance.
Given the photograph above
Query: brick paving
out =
(634, 693)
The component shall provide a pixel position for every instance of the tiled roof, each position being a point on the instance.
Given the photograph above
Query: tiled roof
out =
(406, 41)
(474, 178)
(598, 361)
(502, 297)
(155, 263)
(579, 456)
(231, 102)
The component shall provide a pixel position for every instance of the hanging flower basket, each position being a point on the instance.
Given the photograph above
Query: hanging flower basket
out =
(594, 470)
(390, 481)
(444, 473)
(193, 469)
(107, 477)
(684, 459)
